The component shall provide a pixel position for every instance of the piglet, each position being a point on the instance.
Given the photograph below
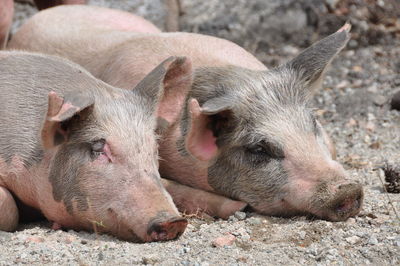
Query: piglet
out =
(80, 151)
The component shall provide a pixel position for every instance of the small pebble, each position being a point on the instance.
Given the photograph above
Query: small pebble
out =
(353, 239)
(225, 240)
(240, 215)
(254, 221)
(373, 241)
(379, 100)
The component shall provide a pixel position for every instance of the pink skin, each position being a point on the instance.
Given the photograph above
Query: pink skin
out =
(32, 187)
(138, 60)
(7, 12)
(116, 202)
(194, 201)
(6, 16)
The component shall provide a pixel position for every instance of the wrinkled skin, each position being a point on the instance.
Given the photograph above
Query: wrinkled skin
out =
(80, 151)
(230, 126)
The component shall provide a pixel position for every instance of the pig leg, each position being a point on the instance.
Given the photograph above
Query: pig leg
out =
(6, 15)
(43, 4)
(173, 13)
(191, 201)
(9, 212)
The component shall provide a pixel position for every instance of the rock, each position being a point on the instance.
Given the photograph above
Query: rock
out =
(69, 239)
(254, 221)
(379, 100)
(373, 241)
(233, 219)
(352, 239)
(34, 239)
(302, 234)
(225, 240)
(351, 220)
(351, 123)
(240, 215)
(397, 242)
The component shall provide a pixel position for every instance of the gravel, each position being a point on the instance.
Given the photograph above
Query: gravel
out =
(354, 107)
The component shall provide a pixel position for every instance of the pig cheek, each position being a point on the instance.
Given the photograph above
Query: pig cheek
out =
(300, 187)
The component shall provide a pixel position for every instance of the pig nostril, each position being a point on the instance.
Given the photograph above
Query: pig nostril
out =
(167, 230)
(346, 205)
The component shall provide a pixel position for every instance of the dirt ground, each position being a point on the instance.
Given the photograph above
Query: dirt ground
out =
(353, 105)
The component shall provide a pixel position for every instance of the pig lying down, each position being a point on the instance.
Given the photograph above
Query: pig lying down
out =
(80, 151)
(7, 11)
(228, 124)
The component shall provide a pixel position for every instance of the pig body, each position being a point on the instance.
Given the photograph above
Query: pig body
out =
(228, 124)
(7, 12)
(81, 151)
(6, 15)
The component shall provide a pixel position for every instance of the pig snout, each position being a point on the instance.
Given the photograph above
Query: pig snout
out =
(345, 202)
(166, 229)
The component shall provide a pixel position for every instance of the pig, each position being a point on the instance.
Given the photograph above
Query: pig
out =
(80, 151)
(6, 15)
(231, 126)
(7, 11)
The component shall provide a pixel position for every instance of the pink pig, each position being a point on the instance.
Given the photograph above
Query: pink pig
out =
(228, 125)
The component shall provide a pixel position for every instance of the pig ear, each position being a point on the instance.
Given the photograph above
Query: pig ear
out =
(60, 110)
(205, 122)
(166, 87)
(312, 62)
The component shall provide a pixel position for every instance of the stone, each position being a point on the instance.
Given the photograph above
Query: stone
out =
(240, 215)
(352, 239)
(225, 240)
(373, 241)
(379, 100)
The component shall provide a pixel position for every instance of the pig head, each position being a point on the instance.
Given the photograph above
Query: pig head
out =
(80, 151)
(253, 137)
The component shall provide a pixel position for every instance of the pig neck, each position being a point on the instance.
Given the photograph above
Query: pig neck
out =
(179, 166)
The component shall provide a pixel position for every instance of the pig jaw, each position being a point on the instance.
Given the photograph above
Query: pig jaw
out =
(145, 212)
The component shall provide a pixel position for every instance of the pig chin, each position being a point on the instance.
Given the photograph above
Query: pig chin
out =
(280, 208)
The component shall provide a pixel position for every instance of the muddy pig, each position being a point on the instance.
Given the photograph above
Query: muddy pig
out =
(81, 151)
(231, 126)
(7, 11)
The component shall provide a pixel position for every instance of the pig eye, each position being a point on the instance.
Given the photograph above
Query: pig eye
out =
(266, 149)
(314, 124)
(98, 147)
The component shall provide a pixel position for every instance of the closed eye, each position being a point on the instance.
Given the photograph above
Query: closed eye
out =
(266, 149)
